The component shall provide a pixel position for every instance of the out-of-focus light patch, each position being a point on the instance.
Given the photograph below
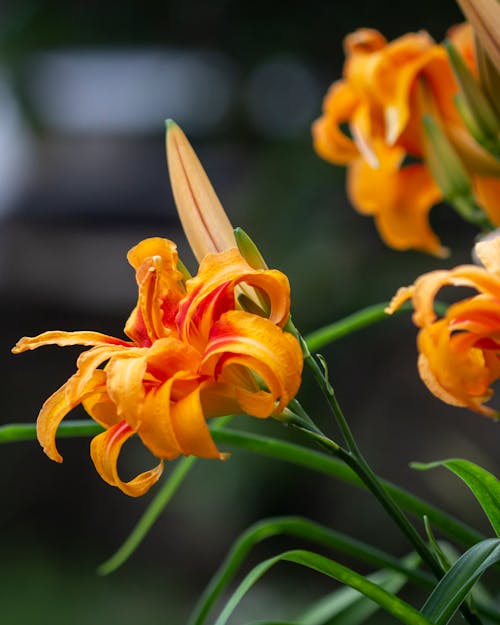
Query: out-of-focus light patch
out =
(16, 151)
(130, 92)
(282, 97)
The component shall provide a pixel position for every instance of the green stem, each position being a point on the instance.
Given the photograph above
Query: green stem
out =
(149, 517)
(360, 467)
(354, 458)
(289, 452)
(330, 466)
(356, 321)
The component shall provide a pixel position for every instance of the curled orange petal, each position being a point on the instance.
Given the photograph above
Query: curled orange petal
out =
(191, 429)
(160, 289)
(256, 344)
(55, 408)
(217, 277)
(63, 339)
(105, 449)
(330, 142)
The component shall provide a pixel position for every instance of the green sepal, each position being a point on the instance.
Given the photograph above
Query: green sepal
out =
(249, 250)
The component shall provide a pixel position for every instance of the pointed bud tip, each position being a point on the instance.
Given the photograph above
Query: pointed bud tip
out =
(170, 124)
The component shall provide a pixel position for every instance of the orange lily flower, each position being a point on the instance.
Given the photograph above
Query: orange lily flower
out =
(193, 354)
(386, 89)
(459, 354)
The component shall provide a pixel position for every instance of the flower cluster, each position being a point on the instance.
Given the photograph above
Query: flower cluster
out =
(193, 354)
(459, 353)
(395, 171)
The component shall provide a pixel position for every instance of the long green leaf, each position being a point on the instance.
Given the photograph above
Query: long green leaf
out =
(149, 516)
(389, 602)
(155, 508)
(16, 432)
(301, 528)
(482, 483)
(322, 463)
(454, 587)
(346, 606)
(290, 452)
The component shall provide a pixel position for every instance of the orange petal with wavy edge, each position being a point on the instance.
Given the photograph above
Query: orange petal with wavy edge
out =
(330, 142)
(230, 268)
(99, 406)
(395, 73)
(191, 429)
(240, 338)
(427, 286)
(105, 449)
(55, 408)
(156, 430)
(63, 339)
(479, 315)
(404, 223)
(160, 290)
(88, 362)
(455, 375)
(203, 218)
(400, 200)
(169, 355)
(371, 189)
(364, 133)
(126, 388)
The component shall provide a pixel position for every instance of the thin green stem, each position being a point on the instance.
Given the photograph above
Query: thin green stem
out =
(355, 459)
(330, 466)
(356, 321)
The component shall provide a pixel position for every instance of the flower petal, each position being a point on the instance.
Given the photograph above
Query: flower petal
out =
(55, 408)
(63, 339)
(89, 361)
(404, 223)
(191, 429)
(240, 338)
(400, 200)
(460, 377)
(125, 387)
(225, 271)
(160, 290)
(330, 142)
(105, 449)
(155, 429)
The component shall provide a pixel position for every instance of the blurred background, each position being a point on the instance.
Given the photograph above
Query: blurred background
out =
(84, 91)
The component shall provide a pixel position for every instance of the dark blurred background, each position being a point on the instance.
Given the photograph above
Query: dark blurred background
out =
(84, 91)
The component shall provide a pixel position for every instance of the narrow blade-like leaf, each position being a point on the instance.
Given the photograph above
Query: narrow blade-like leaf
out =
(482, 483)
(454, 587)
